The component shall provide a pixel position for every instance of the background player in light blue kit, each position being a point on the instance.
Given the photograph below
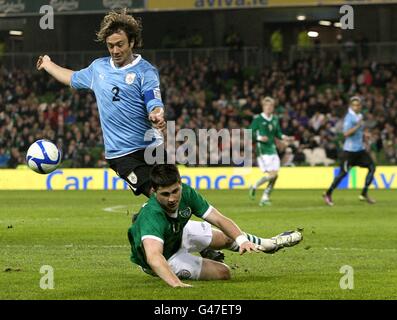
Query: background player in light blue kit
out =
(127, 90)
(354, 152)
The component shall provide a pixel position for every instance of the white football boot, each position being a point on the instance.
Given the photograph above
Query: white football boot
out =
(285, 239)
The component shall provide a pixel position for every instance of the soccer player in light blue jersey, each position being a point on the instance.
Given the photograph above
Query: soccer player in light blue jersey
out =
(127, 91)
(354, 152)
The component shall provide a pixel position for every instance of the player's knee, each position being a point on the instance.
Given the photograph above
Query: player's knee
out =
(224, 272)
(213, 270)
(273, 175)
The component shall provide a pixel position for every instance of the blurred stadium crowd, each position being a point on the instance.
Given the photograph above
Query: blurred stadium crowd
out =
(311, 99)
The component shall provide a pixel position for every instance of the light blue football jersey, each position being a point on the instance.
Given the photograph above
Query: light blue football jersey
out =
(125, 96)
(355, 142)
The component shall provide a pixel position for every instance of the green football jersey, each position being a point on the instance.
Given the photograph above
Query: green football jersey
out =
(263, 127)
(154, 222)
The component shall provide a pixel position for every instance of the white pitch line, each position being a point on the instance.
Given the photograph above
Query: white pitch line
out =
(361, 249)
(66, 246)
(28, 219)
(256, 208)
(117, 209)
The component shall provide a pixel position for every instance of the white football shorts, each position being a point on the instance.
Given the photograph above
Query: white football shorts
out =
(269, 163)
(196, 237)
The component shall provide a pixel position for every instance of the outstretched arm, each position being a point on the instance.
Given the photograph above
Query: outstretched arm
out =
(61, 74)
(279, 134)
(228, 227)
(156, 260)
(287, 139)
(262, 138)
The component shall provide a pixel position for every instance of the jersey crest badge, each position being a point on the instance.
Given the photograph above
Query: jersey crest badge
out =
(129, 78)
(186, 213)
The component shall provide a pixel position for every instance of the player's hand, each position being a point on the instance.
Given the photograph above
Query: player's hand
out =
(288, 139)
(248, 246)
(263, 139)
(42, 61)
(182, 285)
(156, 117)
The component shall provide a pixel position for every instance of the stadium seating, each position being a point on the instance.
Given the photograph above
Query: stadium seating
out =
(317, 156)
(203, 95)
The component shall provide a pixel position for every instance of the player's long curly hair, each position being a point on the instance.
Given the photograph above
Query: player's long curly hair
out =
(115, 21)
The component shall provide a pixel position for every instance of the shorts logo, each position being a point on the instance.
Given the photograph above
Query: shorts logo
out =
(184, 274)
(132, 178)
(186, 213)
(129, 78)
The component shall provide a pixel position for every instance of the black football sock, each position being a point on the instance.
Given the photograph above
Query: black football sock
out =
(336, 182)
(368, 180)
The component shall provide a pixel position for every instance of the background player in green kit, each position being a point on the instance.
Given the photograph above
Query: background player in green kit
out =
(265, 129)
(163, 237)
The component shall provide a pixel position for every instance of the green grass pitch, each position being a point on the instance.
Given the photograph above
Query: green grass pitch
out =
(89, 251)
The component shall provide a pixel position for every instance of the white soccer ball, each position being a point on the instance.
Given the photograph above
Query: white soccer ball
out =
(43, 156)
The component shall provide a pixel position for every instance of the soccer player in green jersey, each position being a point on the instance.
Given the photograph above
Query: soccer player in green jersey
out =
(163, 237)
(265, 129)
